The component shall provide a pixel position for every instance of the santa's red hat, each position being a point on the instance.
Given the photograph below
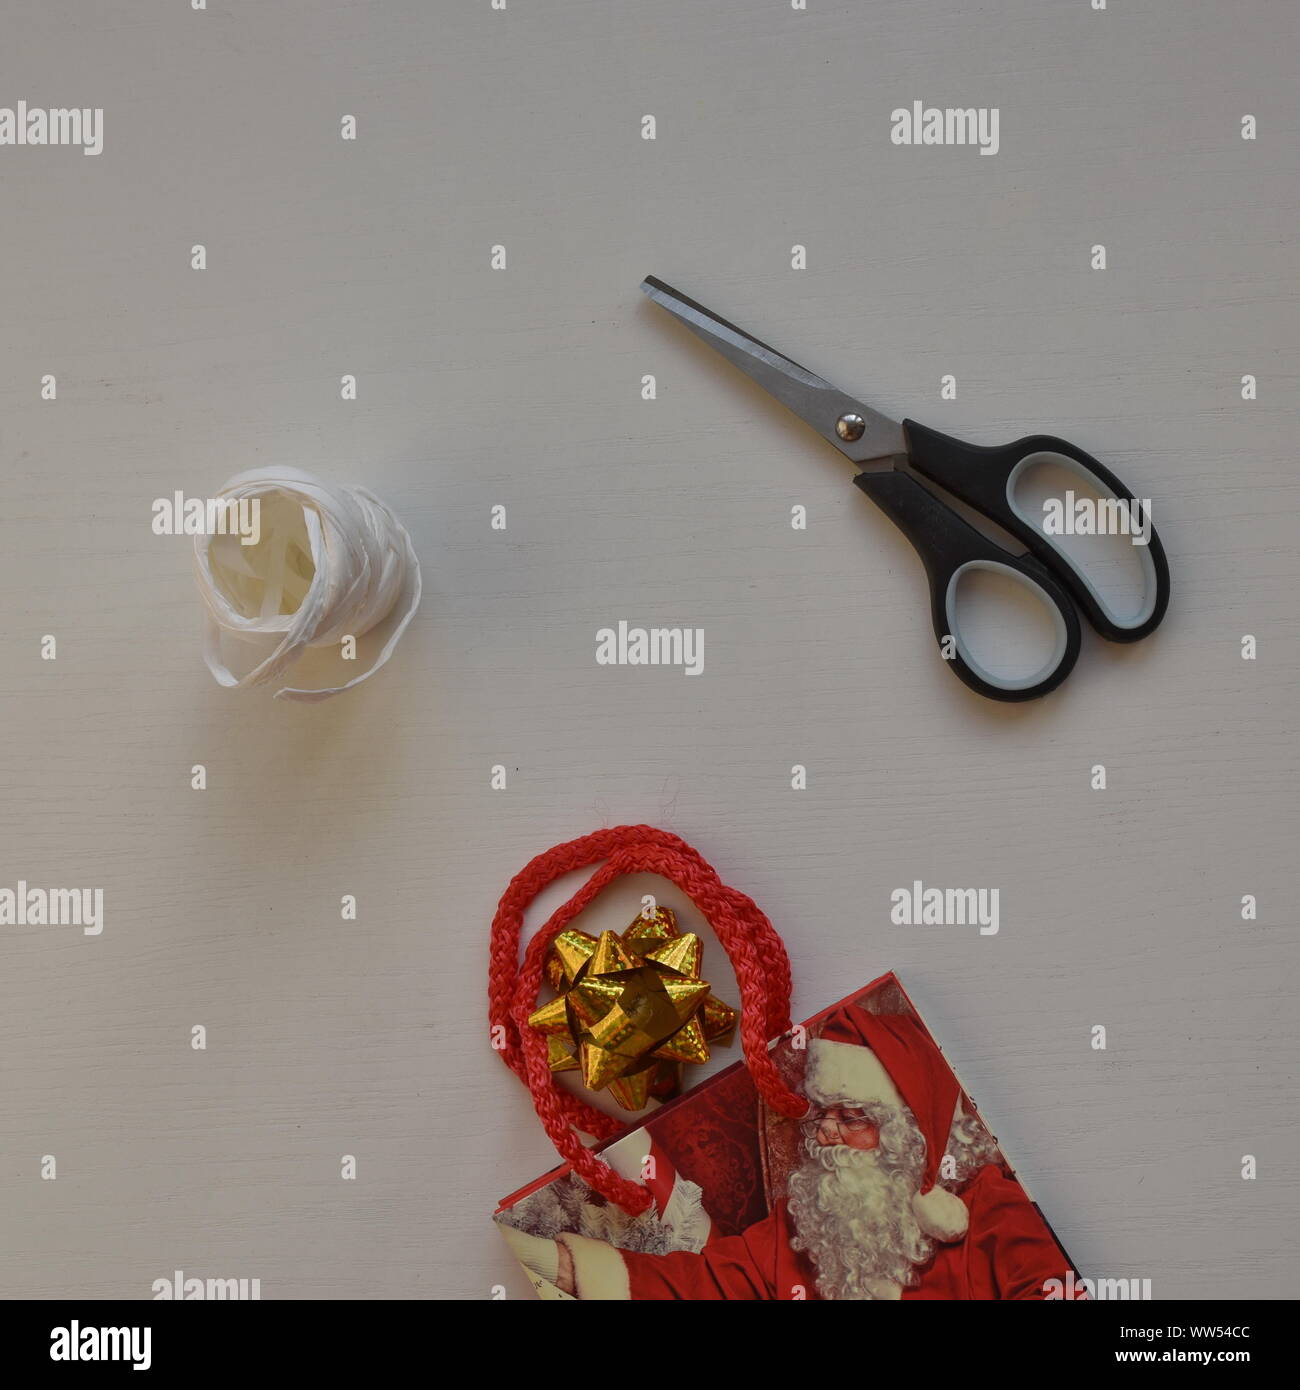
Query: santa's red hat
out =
(860, 1058)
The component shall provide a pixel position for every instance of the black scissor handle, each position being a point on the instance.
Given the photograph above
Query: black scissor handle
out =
(986, 478)
(950, 548)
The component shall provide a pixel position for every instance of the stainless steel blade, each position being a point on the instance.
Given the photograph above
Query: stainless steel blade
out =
(858, 432)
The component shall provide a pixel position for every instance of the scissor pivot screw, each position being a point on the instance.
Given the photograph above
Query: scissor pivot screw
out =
(850, 427)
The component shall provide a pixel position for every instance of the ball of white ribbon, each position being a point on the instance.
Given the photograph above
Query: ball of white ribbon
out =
(332, 562)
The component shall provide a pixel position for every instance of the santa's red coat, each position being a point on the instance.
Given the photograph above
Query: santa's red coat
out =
(1008, 1252)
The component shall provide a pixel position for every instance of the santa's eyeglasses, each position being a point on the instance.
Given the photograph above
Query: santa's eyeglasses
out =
(846, 1117)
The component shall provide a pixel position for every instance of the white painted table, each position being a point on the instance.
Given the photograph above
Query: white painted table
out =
(522, 387)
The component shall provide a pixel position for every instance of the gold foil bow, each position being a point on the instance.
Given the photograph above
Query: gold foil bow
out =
(631, 1008)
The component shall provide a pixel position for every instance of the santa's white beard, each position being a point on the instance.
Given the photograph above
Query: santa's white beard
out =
(852, 1213)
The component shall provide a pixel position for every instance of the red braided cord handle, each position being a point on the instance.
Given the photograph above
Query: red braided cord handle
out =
(756, 952)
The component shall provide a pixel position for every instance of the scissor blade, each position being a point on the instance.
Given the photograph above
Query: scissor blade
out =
(816, 402)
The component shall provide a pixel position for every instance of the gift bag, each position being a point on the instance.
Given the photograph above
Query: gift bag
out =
(842, 1159)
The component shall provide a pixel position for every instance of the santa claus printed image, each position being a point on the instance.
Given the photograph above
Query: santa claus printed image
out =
(890, 1188)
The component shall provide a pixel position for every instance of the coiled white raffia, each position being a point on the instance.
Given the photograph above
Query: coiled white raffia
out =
(332, 561)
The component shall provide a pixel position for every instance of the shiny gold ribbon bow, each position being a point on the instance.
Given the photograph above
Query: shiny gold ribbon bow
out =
(631, 1008)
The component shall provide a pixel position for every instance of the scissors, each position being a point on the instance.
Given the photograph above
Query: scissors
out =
(984, 478)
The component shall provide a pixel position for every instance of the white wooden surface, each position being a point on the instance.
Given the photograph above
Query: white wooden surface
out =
(1119, 907)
